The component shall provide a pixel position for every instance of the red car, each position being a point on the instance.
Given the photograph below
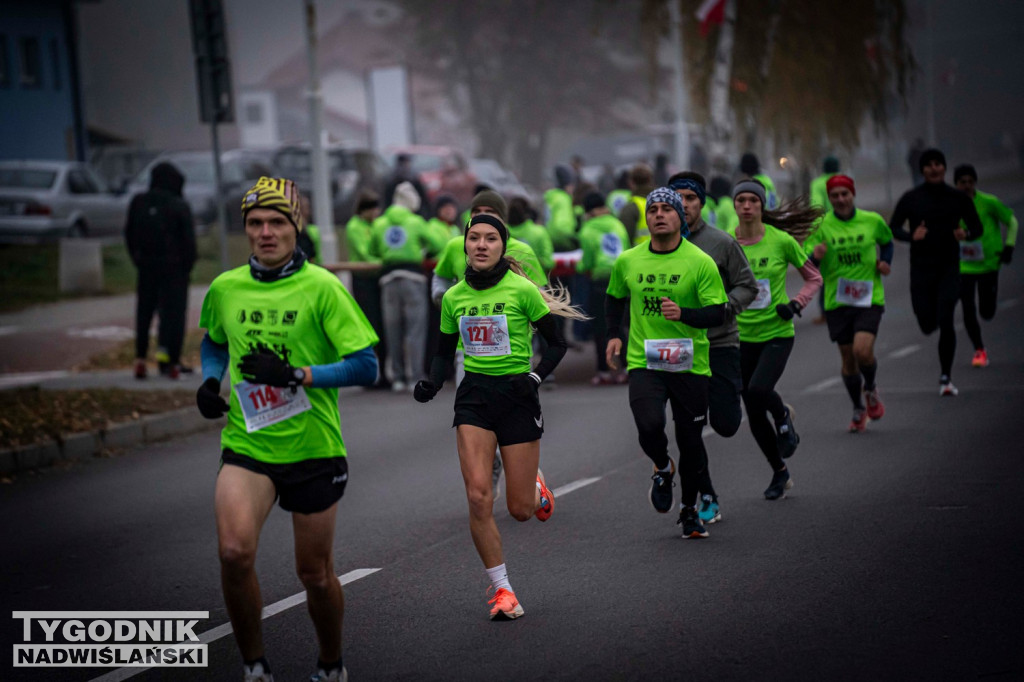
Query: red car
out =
(443, 170)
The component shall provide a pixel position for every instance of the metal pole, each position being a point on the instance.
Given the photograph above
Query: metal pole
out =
(322, 209)
(222, 212)
(929, 74)
(682, 131)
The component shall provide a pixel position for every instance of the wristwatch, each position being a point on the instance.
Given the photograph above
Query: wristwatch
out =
(299, 375)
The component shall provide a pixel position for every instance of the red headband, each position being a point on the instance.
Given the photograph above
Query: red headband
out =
(840, 181)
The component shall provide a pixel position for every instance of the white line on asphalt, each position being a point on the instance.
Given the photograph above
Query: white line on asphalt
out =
(4, 331)
(224, 630)
(903, 352)
(1008, 303)
(23, 378)
(822, 385)
(575, 485)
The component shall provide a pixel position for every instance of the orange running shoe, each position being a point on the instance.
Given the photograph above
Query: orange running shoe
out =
(505, 605)
(547, 500)
(980, 358)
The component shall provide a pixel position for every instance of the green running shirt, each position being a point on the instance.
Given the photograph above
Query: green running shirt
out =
(602, 240)
(687, 276)
(982, 255)
(769, 259)
(310, 319)
(494, 324)
(849, 266)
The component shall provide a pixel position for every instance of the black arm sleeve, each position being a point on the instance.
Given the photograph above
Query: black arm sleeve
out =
(899, 216)
(614, 309)
(446, 345)
(549, 328)
(703, 318)
(971, 220)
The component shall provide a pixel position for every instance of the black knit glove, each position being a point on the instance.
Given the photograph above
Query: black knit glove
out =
(208, 399)
(424, 391)
(787, 310)
(1007, 255)
(525, 385)
(268, 368)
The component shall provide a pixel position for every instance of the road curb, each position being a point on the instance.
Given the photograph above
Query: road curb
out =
(79, 446)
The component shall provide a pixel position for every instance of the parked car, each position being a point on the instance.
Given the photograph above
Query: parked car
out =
(350, 170)
(490, 172)
(443, 170)
(240, 169)
(46, 200)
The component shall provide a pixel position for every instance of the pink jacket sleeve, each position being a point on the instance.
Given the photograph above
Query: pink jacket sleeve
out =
(812, 282)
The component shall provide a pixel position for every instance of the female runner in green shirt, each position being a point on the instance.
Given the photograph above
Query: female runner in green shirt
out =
(766, 326)
(491, 312)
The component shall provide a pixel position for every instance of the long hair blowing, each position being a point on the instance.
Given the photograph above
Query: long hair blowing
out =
(797, 217)
(557, 297)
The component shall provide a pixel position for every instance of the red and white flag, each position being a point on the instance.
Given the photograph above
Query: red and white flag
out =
(710, 12)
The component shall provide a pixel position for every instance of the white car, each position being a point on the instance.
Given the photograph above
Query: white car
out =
(47, 200)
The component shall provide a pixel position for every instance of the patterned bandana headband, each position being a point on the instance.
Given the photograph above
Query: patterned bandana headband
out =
(666, 195)
(278, 194)
(691, 185)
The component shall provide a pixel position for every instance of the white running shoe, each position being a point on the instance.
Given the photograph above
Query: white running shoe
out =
(947, 388)
(256, 673)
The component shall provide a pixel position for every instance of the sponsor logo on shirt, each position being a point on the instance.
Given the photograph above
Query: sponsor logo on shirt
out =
(498, 307)
(289, 317)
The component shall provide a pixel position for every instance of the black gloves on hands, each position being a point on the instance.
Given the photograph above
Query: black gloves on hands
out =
(424, 391)
(787, 310)
(1007, 255)
(525, 385)
(267, 367)
(208, 399)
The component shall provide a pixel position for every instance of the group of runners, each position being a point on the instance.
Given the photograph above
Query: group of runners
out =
(709, 326)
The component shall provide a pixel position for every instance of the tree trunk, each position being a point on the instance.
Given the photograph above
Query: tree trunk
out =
(720, 133)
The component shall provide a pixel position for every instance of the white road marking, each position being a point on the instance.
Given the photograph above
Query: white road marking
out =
(224, 630)
(23, 378)
(107, 333)
(1008, 303)
(6, 331)
(575, 485)
(822, 385)
(903, 352)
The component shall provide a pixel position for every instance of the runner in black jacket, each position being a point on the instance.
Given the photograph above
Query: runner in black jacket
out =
(934, 211)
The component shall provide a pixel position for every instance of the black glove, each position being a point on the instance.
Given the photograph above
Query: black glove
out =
(208, 399)
(525, 385)
(1007, 255)
(268, 368)
(787, 310)
(424, 391)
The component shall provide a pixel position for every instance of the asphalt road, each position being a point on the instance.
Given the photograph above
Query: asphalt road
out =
(896, 556)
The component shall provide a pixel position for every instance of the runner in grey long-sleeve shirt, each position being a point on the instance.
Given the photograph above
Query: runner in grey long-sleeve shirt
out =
(724, 411)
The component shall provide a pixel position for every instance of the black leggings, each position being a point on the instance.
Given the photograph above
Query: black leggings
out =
(933, 294)
(164, 293)
(762, 365)
(649, 390)
(598, 321)
(987, 284)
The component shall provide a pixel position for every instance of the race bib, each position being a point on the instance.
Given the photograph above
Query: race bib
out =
(485, 335)
(764, 295)
(854, 292)
(669, 355)
(972, 251)
(265, 405)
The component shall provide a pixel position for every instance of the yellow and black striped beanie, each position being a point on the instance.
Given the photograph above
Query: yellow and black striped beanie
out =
(278, 194)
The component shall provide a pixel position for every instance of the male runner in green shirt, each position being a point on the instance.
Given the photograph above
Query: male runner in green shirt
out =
(981, 259)
(675, 295)
(289, 334)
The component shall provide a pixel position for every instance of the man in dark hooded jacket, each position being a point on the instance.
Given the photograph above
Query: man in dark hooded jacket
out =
(161, 241)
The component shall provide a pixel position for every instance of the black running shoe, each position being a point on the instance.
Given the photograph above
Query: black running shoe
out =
(787, 435)
(780, 484)
(661, 489)
(692, 527)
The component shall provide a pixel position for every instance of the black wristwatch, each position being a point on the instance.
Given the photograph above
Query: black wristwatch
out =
(300, 375)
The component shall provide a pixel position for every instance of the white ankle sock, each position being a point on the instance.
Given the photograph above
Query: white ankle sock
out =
(499, 578)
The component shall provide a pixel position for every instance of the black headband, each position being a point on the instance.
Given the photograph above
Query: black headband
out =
(494, 222)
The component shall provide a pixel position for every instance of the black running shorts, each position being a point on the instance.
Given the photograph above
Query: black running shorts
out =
(305, 487)
(845, 321)
(489, 403)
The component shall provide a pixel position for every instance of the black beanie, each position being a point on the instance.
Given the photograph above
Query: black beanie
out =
(749, 164)
(929, 155)
(487, 219)
(592, 200)
(965, 169)
(443, 201)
